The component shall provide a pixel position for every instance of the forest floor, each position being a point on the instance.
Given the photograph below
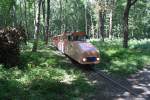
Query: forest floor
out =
(136, 81)
(50, 75)
(139, 83)
(132, 67)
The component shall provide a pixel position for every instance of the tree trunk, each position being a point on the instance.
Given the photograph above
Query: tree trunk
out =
(47, 21)
(92, 32)
(26, 19)
(37, 24)
(101, 24)
(125, 22)
(43, 10)
(14, 15)
(20, 6)
(110, 24)
(86, 26)
(60, 2)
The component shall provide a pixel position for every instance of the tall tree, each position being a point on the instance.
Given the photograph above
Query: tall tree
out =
(111, 18)
(25, 14)
(86, 28)
(60, 16)
(43, 10)
(37, 24)
(101, 10)
(14, 13)
(47, 21)
(101, 23)
(125, 21)
(110, 23)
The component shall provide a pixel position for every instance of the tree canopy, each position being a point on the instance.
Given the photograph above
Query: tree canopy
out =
(98, 18)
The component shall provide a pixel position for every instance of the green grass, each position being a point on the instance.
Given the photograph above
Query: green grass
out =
(43, 75)
(120, 61)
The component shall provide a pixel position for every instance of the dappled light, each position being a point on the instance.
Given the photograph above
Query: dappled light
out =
(122, 61)
(74, 50)
(44, 75)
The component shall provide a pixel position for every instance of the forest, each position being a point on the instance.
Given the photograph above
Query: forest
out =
(30, 69)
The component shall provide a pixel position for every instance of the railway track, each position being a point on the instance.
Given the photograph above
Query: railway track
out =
(106, 77)
(97, 72)
(112, 81)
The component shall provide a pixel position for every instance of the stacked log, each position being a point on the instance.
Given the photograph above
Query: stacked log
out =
(10, 39)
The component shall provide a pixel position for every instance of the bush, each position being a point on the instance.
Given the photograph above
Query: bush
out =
(10, 39)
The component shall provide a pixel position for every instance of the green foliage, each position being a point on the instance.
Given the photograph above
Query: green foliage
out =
(5, 13)
(118, 60)
(43, 75)
(69, 15)
(138, 19)
(47, 75)
(143, 44)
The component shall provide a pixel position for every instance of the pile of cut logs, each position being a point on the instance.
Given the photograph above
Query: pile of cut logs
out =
(10, 39)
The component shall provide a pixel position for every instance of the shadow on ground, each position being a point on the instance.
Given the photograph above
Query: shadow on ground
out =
(91, 87)
(41, 89)
(40, 77)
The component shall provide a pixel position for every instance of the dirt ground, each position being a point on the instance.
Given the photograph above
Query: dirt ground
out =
(139, 83)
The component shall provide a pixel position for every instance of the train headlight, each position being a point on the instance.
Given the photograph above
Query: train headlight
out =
(84, 59)
(98, 59)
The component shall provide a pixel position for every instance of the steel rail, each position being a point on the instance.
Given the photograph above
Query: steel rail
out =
(105, 76)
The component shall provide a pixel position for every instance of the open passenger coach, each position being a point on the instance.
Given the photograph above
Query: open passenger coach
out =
(75, 46)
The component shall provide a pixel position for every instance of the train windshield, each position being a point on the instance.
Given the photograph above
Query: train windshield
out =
(80, 38)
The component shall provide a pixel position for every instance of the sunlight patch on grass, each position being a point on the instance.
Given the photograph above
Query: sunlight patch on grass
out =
(118, 60)
(43, 75)
(111, 51)
(24, 79)
(140, 44)
(68, 79)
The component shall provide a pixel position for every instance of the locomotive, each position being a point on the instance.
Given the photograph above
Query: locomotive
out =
(76, 47)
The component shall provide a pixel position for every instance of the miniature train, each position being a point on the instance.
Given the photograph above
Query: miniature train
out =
(75, 46)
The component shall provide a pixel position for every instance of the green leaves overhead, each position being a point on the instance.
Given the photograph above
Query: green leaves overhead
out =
(5, 11)
(69, 15)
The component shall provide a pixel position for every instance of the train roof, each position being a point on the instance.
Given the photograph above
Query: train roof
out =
(70, 33)
(74, 33)
(78, 33)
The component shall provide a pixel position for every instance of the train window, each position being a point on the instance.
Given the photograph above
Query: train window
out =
(77, 38)
(81, 38)
(87, 37)
(70, 38)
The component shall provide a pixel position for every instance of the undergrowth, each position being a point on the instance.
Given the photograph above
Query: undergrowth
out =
(47, 75)
(121, 61)
(43, 75)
